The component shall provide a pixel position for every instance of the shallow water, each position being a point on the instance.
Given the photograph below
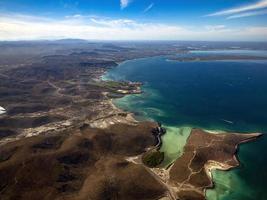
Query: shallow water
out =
(228, 184)
(213, 95)
(173, 143)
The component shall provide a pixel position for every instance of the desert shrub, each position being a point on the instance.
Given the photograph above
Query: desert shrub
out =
(153, 159)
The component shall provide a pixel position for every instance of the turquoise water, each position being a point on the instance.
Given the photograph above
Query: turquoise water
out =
(215, 95)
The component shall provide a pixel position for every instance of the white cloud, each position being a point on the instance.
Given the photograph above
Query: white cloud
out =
(243, 9)
(20, 27)
(124, 3)
(113, 22)
(75, 16)
(248, 14)
(149, 7)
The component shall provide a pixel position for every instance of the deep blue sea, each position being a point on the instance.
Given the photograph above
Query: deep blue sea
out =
(215, 95)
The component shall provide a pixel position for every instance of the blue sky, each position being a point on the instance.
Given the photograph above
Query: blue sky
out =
(134, 19)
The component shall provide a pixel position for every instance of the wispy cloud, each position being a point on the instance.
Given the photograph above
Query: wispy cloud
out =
(248, 14)
(149, 7)
(245, 10)
(21, 27)
(216, 28)
(124, 3)
(105, 22)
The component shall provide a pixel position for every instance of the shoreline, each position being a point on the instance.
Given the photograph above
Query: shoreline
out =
(110, 100)
(213, 165)
(106, 113)
(81, 120)
(115, 115)
(163, 175)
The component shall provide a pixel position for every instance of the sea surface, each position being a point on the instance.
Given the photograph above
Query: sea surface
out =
(228, 96)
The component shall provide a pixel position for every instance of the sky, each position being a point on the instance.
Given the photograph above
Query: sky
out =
(202, 20)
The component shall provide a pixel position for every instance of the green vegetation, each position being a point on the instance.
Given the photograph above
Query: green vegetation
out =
(107, 83)
(114, 95)
(153, 158)
(113, 84)
(4, 156)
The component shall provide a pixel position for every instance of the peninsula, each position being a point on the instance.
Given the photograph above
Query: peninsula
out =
(62, 138)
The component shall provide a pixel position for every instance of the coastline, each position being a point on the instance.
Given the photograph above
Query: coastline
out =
(213, 165)
(163, 174)
(79, 135)
(115, 115)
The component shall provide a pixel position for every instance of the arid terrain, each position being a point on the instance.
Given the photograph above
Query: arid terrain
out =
(83, 163)
(191, 173)
(88, 163)
(62, 138)
(52, 86)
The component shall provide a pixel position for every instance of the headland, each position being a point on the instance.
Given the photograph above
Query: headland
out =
(62, 138)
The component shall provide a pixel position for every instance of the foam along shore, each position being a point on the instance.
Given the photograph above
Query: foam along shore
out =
(2, 110)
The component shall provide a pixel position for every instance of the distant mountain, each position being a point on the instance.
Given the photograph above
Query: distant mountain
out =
(70, 40)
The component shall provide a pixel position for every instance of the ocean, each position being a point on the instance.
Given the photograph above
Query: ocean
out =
(226, 96)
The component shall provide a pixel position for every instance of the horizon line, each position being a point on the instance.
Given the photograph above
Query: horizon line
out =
(122, 40)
